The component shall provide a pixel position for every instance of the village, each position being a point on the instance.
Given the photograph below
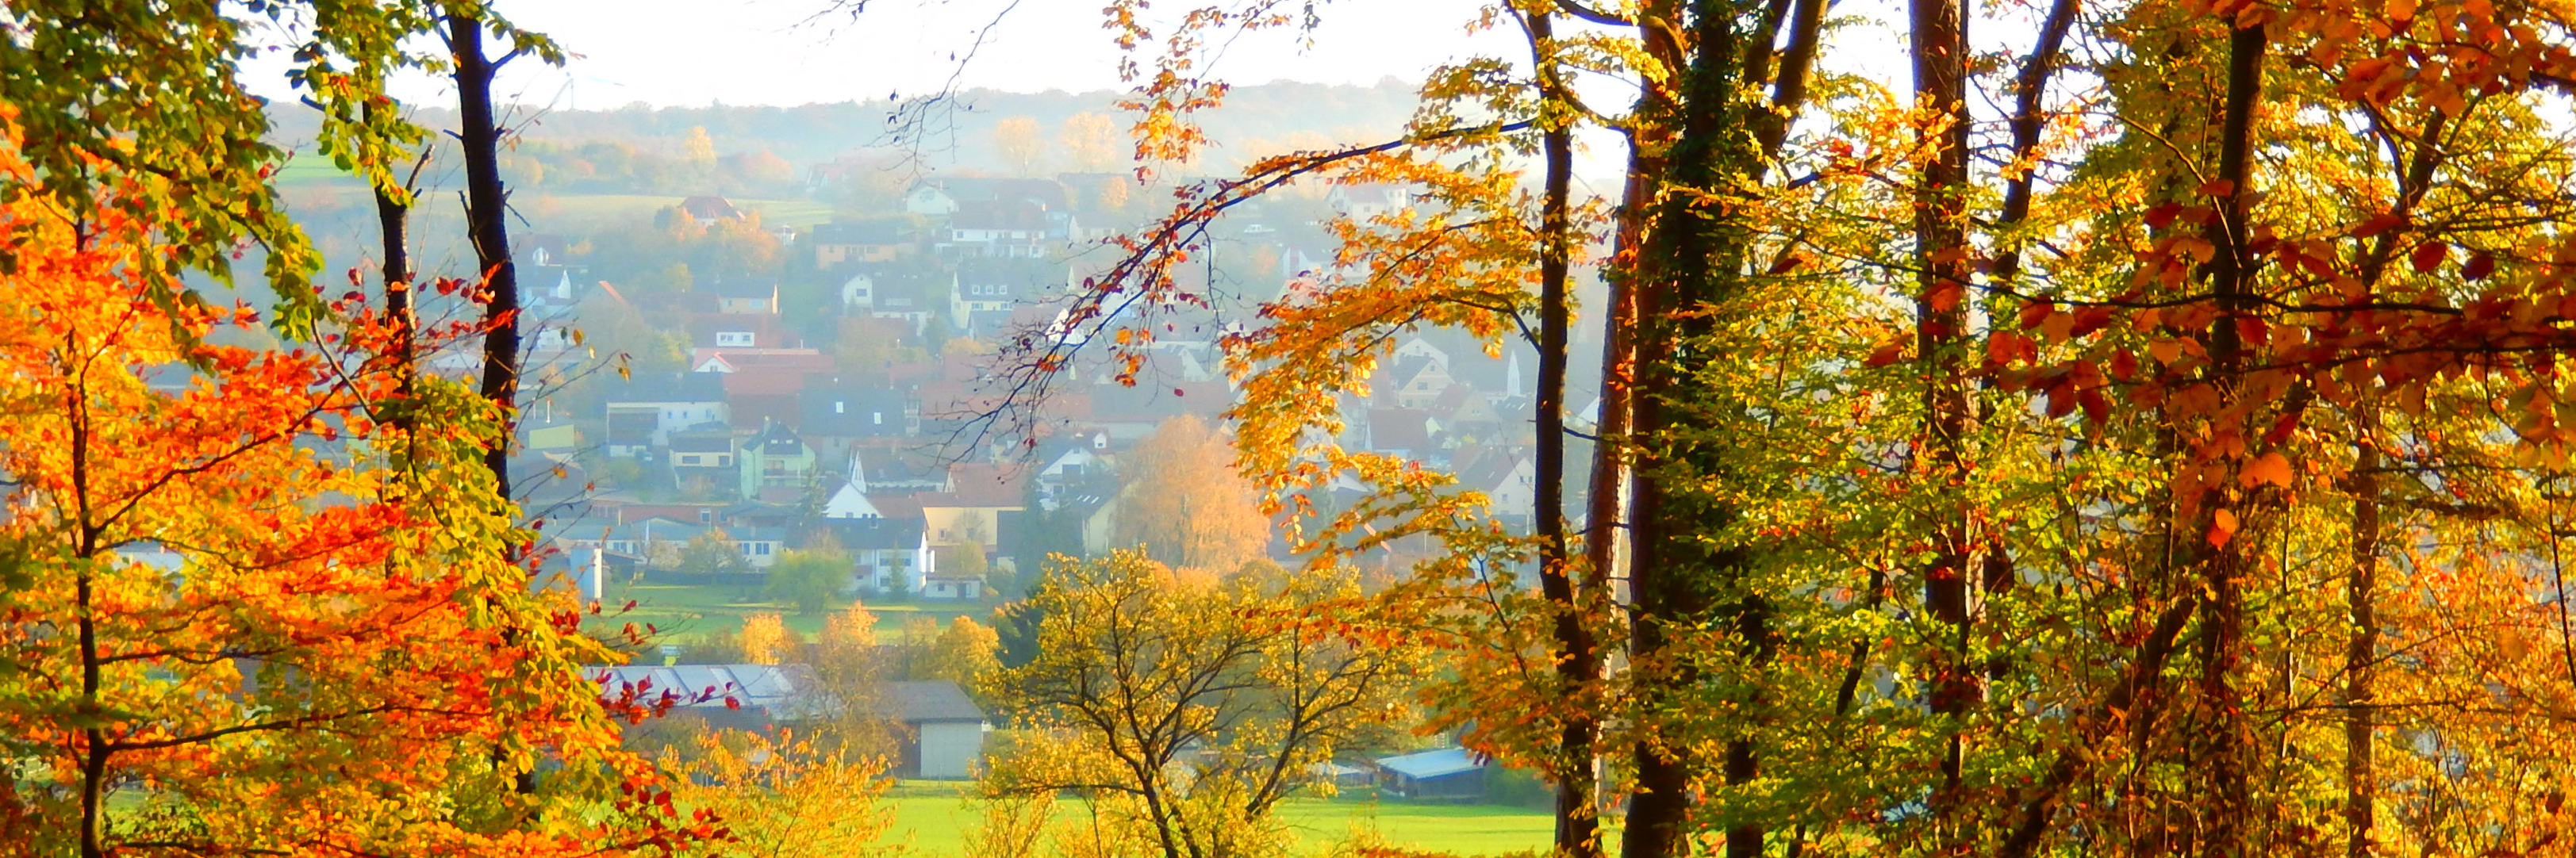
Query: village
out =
(691, 485)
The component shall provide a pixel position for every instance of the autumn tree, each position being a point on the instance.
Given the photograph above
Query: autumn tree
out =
(1090, 144)
(1017, 143)
(966, 653)
(1182, 502)
(765, 638)
(248, 614)
(784, 796)
(1138, 665)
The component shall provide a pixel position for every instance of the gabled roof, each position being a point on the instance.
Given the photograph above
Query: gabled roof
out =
(668, 387)
(930, 701)
(1400, 429)
(975, 484)
(876, 534)
(709, 207)
(702, 442)
(776, 440)
(1432, 764)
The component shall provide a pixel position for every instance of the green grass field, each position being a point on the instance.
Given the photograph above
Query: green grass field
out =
(688, 612)
(931, 820)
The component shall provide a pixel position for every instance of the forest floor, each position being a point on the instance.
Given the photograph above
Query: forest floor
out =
(931, 818)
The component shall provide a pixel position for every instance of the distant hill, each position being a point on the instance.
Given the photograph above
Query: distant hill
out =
(1267, 117)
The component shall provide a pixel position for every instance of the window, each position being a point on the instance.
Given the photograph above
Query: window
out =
(763, 548)
(879, 418)
(733, 339)
(840, 406)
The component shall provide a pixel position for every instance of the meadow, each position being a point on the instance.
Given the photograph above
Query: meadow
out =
(688, 611)
(931, 820)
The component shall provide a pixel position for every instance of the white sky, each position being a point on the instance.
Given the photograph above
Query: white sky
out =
(787, 52)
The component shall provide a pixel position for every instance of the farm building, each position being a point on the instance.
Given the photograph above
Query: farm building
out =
(1446, 773)
(947, 729)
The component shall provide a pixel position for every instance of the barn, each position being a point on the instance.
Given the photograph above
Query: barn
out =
(947, 729)
(1447, 773)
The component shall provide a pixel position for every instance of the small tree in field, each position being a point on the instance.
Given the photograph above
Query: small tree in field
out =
(1187, 708)
(810, 578)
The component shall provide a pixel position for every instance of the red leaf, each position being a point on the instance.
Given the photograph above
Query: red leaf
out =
(2480, 265)
(2163, 215)
(2377, 225)
(2429, 256)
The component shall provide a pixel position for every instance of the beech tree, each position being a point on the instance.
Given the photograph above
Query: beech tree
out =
(248, 614)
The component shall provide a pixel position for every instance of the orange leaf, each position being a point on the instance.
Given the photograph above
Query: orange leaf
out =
(2271, 468)
(2222, 527)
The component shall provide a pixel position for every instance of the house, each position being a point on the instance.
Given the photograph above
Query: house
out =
(878, 240)
(742, 297)
(703, 460)
(656, 540)
(888, 555)
(1009, 229)
(943, 196)
(774, 462)
(760, 547)
(759, 399)
(1402, 432)
(996, 286)
(1365, 202)
(645, 408)
(1416, 381)
(703, 210)
(942, 585)
(945, 727)
(1448, 773)
(545, 429)
(832, 408)
(909, 294)
(740, 331)
(761, 361)
(1506, 476)
(971, 505)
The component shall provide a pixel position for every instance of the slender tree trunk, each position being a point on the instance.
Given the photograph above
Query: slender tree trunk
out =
(1940, 48)
(2223, 571)
(487, 227)
(1578, 664)
(2361, 650)
(2030, 92)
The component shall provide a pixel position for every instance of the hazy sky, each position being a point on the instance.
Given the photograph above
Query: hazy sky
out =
(787, 52)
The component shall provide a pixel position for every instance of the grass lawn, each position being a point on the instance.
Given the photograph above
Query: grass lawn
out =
(688, 611)
(932, 818)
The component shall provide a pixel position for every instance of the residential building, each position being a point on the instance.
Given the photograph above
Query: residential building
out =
(888, 555)
(775, 462)
(742, 297)
(877, 240)
(643, 409)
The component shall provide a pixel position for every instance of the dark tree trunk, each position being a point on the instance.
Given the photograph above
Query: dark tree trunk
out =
(1689, 262)
(1578, 656)
(487, 227)
(2223, 571)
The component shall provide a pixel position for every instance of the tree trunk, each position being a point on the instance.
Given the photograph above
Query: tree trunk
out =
(487, 227)
(2226, 565)
(1940, 50)
(2361, 650)
(1676, 578)
(1578, 663)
